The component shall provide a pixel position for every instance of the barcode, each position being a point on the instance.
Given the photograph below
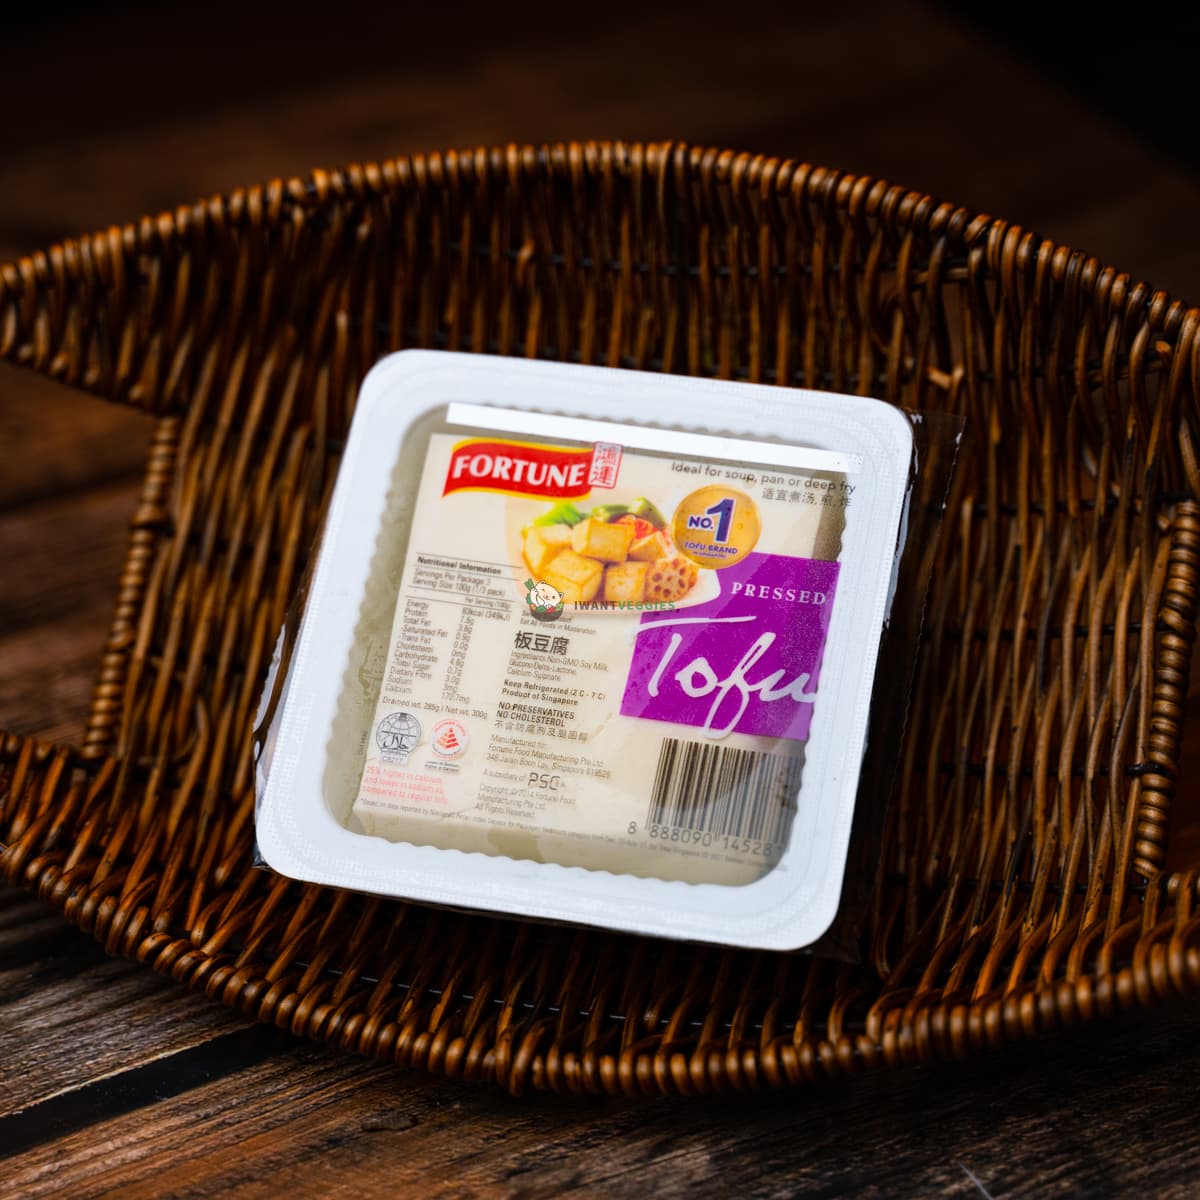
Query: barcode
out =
(724, 790)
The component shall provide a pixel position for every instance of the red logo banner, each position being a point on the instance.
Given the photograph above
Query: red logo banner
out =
(520, 468)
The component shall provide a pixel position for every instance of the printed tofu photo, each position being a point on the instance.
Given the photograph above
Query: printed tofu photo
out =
(620, 554)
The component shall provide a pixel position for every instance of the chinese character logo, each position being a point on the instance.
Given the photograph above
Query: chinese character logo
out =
(544, 599)
(606, 465)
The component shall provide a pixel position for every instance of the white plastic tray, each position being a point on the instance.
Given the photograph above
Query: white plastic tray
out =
(301, 830)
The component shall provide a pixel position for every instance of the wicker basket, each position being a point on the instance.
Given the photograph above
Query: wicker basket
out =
(1024, 883)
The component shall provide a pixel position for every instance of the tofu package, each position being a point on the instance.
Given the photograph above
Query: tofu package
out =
(591, 646)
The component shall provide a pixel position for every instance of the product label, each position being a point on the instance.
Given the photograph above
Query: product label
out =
(604, 657)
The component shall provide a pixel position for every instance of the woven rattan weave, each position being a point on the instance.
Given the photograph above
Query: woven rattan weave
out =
(1025, 880)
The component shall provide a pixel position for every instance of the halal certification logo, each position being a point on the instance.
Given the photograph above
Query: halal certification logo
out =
(397, 734)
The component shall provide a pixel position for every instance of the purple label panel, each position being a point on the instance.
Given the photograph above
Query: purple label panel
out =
(747, 661)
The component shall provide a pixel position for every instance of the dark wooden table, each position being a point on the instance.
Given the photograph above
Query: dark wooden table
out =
(114, 1082)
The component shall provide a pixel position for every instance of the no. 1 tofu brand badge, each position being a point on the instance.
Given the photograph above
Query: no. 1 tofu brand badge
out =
(544, 599)
(716, 526)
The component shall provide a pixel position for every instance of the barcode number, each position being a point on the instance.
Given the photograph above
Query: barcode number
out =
(705, 792)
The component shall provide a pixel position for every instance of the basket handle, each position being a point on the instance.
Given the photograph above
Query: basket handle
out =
(126, 312)
(75, 312)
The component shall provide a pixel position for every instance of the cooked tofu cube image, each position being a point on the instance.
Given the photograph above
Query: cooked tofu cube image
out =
(625, 582)
(654, 545)
(670, 579)
(542, 543)
(599, 539)
(578, 578)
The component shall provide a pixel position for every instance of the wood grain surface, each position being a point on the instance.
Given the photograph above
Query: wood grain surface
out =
(149, 1076)
(116, 1083)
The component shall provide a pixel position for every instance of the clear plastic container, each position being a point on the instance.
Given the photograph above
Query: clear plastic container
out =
(592, 646)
